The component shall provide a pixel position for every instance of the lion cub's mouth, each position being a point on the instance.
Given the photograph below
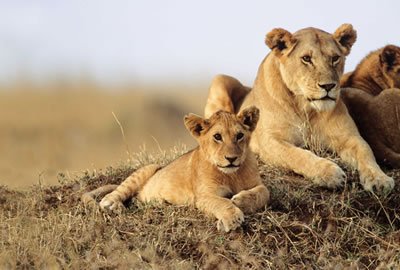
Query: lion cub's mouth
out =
(231, 168)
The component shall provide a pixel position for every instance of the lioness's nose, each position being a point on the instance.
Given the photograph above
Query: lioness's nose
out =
(328, 86)
(231, 159)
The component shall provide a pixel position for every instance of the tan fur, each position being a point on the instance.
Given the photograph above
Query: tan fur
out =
(291, 90)
(379, 70)
(89, 198)
(226, 94)
(375, 104)
(220, 177)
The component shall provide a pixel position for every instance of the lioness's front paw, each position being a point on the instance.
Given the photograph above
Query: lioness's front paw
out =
(331, 175)
(377, 180)
(231, 220)
(111, 204)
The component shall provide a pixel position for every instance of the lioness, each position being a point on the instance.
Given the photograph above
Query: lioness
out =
(297, 90)
(375, 104)
(220, 177)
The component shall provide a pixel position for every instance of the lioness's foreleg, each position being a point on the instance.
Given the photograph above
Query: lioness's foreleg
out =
(128, 188)
(320, 170)
(253, 199)
(229, 215)
(356, 152)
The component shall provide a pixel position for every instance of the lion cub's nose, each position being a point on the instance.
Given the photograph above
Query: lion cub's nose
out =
(328, 86)
(231, 159)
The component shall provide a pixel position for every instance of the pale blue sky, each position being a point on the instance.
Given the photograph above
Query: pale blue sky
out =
(151, 41)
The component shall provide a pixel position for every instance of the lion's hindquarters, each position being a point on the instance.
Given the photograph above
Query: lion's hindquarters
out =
(130, 186)
(89, 198)
(226, 93)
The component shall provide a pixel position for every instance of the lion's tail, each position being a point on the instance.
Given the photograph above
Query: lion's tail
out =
(128, 188)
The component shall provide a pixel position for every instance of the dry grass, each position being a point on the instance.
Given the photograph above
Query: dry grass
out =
(304, 227)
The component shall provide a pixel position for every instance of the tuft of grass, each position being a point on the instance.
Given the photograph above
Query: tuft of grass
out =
(303, 227)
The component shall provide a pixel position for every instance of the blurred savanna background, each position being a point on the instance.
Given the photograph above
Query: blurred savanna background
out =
(70, 127)
(86, 85)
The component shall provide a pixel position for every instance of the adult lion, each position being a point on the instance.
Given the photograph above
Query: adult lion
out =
(219, 177)
(373, 101)
(297, 91)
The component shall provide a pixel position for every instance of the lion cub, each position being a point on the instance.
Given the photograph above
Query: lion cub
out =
(219, 177)
(375, 104)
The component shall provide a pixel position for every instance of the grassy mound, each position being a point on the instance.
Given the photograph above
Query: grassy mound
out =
(303, 227)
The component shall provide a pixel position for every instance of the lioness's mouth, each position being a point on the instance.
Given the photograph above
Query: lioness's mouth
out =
(323, 98)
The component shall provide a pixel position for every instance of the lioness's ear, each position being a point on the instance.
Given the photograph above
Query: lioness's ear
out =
(345, 36)
(390, 56)
(279, 40)
(195, 124)
(249, 117)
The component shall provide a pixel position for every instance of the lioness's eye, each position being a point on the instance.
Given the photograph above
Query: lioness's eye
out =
(218, 137)
(335, 58)
(306, 58)
(239, 136)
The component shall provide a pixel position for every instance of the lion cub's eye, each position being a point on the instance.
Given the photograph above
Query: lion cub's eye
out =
(218, 137)
(335, 59)
(306, 58)
(239, 136)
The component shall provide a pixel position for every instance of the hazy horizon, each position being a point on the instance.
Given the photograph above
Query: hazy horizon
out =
(160, 41)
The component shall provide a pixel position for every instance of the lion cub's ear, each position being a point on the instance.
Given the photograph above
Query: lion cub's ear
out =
(249, 117)
(390, 57)
(345, 36)
(195, 124)
(279, 40)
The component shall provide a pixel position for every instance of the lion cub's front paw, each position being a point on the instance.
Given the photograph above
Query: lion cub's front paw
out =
(230, 220)
(376, 180)
(111, 204)
(331, 175)
(245, 200)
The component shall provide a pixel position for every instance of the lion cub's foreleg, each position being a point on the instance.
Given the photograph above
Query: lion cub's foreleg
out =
(251, 200)
(128, 188)
(229, 216)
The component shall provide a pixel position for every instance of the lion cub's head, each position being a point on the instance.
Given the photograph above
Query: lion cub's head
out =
(224, 137)
(389, 60)
(311, 62)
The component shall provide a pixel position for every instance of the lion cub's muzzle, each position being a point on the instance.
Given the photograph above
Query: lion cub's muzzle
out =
(233, 163)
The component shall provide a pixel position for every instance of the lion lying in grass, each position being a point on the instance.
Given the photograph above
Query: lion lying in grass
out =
(297, 91)
(375, 104)
(220, 177)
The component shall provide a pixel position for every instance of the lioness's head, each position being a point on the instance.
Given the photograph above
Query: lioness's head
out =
(312, 61)
(389, 59)
(224, 137)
